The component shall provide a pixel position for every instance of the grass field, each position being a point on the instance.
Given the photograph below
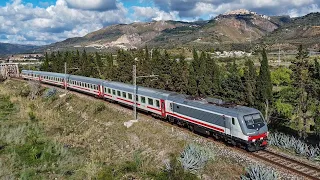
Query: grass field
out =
(76, 137)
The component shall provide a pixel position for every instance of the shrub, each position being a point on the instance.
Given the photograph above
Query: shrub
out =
(50, 93)
(193, 158)
(32, 116)
(24, 92)
(174, 171)
(34, 153)
(6, 107)
(99, 108)
(259, 173)
(2, 78)
(291, 143)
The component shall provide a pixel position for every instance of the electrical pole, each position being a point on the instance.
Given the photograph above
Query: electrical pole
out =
(134, 77)
(134, 92)
(65, 76)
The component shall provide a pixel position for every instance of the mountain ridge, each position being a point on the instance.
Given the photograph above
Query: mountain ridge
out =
(233, 30)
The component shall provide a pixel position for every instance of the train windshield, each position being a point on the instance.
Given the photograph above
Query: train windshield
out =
(254, 121)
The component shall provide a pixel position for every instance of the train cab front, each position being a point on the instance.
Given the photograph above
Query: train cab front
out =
(258, 142)
(257, 132)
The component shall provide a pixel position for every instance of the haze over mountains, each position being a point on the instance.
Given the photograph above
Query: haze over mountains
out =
(236, 27)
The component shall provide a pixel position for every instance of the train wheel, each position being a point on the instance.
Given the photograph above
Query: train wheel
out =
(191, 128)
(251, 148)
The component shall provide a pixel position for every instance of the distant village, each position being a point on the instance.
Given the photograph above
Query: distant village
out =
(21, 58)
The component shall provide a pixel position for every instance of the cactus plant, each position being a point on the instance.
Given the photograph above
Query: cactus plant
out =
(50, 93)
(257, 172)
(291, 143)
(194, 157)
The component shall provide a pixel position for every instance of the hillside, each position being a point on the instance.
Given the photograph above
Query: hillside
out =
(234, 28)
(301, 30)
(121, 36)
(224, 29)
(6, 48)
(76, 137)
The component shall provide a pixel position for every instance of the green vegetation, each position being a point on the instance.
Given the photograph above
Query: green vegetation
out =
(6, 107)
(70, 137)
(287, 96)
(290, 143)
(257, 172)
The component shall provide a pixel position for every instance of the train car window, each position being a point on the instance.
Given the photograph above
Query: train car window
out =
(143, 99)
(233, 121)
(119, 93)
(137, 98)
(113, 92)
(124, 94)
(171, 106)
(130, 96)
(150, 101)
(109, 90)
(157, 103)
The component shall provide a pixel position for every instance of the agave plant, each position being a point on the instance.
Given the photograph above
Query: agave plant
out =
(291, 143)
(257, 172)
(50, 93)
(193, 158)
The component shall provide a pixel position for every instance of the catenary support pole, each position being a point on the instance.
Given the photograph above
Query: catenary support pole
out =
(134, 92)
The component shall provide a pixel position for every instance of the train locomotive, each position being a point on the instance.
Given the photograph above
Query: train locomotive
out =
(238, 125)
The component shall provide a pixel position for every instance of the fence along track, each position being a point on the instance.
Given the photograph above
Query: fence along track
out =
(297, 167)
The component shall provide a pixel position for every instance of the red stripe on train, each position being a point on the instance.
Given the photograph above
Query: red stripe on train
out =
(257, 137)
(154, 109)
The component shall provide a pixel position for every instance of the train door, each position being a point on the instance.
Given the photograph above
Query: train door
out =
(227, 125)
(235, 128)
(163, 108)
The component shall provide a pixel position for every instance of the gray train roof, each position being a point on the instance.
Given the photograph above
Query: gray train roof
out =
(232, 111)
(156, 93)
(43, 73)
(85, 79)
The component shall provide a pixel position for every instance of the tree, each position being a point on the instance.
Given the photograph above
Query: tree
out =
(232, 84)
(281, 76)
(300, 70)
(192, 80)
(110, 72)
(316, 69)
(125, 62)
(214, 74)
(250, 82)
(46, 63)
(179, 75)
(202, 77)
(54, 62)
(99, 65)
(264, 85)
(84, 63)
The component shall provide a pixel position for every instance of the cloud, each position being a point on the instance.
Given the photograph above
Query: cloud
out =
(200, 8)
(150, 13)
(26, 24)
(92, 5)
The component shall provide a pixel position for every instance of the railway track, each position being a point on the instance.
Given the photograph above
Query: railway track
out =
(292, 165)
(299, 168)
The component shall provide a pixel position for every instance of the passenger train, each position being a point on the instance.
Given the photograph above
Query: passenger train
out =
(237, 125)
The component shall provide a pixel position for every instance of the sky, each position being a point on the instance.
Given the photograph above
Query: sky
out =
(41, 22)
